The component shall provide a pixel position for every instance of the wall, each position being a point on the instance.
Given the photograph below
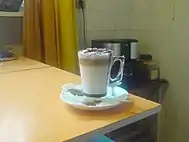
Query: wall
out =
(123, 18)
(161, 29)
(105, 18)
(11, 33)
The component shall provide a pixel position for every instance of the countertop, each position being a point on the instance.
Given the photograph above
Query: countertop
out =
(32, 111)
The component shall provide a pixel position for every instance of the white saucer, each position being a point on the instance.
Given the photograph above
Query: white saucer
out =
(107, 102)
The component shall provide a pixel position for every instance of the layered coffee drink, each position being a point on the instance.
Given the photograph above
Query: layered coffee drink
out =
(95, 68)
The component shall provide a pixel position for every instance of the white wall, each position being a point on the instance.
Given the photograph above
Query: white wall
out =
(162, 31)
(123, 18)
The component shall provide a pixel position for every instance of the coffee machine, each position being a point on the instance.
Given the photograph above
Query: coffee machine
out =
(135, 71)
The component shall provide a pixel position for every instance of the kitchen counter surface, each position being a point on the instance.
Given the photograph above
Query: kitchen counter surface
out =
(21, 64)
(32, 111)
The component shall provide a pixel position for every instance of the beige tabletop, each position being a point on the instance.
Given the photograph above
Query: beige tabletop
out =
(21, 64)
(32, 111)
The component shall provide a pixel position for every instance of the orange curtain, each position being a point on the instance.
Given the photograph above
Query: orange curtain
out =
(50, 32)
(40, 32)
(32, 34)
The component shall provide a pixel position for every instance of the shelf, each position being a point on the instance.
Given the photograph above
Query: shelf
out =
(11, 14)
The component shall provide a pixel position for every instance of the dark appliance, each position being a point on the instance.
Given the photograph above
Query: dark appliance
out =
(126, 47)
(135, 71)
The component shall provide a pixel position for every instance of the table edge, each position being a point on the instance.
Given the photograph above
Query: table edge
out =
(117, 125)
(26, 69)
(23, 70)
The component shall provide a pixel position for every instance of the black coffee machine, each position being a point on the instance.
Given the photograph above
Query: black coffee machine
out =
(135, 71)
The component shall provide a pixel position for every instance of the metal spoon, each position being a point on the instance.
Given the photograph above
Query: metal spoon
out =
(77, 92)
(91, 103)
(95, 102)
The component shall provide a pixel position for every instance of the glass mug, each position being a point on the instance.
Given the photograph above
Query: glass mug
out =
(95, 68)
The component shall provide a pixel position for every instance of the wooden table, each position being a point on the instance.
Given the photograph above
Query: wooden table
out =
(21, 64)
(31, 109)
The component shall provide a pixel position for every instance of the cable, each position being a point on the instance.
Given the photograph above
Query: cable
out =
(81, 4)
(84, 27)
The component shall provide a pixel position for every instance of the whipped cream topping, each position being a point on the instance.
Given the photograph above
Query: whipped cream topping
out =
(95, 53)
